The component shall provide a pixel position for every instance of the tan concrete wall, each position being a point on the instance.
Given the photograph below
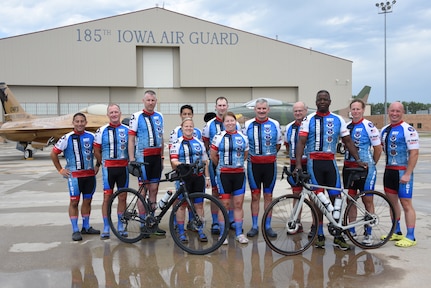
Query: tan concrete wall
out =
(416, 120)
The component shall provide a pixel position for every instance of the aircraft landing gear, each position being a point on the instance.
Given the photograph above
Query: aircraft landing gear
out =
(341, 148)
(28, 154)
(24, 147)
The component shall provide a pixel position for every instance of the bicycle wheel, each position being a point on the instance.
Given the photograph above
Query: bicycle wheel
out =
(123, 215)
(293, 235)
(195, 244)
(379, 230)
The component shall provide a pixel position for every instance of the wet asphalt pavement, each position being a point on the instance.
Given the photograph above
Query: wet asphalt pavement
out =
(36, 249)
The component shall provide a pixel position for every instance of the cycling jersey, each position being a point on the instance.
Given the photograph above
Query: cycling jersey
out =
(230, 148)
(364, 136)
(77, 149)
(112, 140)
(148, 129)
(397, 140)
(263, 138)
(188, 150)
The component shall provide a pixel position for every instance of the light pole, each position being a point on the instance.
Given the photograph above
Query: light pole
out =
(385, 8)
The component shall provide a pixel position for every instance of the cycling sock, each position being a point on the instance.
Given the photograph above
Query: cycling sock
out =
(320, 229)
(398, 226)
(254, 219)
(120, 224)
(74, 221)
(86, 221)
(352, 230)
(191, 216)
(180, 227)
(411, 233)
(142, 216)
(105, 224)
(238, 227)
(267, 222)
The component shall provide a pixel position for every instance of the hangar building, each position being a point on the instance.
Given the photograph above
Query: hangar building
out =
(184, 59)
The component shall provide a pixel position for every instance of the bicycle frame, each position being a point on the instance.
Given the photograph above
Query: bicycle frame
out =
(308, 191)
(138, 218)
(180, 191)
(293, 214)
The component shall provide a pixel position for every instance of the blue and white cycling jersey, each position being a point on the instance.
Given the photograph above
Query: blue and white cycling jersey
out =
(231, 148)
(325, 130)
(77, 149)
(148, 129)
(397, 140)
(112, 140)
(364, 135)
(263, 138)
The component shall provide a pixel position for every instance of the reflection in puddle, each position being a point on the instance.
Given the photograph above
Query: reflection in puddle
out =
(159, 263)
(254, 265)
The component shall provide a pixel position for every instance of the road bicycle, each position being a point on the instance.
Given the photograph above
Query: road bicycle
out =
(132, 222)
(294, 216)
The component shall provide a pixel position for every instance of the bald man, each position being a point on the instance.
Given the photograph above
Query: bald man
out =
(290, 139)
(400, 143)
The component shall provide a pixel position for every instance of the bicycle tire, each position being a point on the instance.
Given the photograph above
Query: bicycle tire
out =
(194, 244)
(125, 222)
(289, 240)
(381, 229)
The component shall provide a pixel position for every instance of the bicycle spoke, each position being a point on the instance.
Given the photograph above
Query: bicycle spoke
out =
(292, 234)
(193, 230)
(380, 224)
(124, 215)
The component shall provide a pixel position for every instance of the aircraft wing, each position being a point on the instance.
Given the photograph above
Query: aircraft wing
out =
(26, 129)
(44, 130)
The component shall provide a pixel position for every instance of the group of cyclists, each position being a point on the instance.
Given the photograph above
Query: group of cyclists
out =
(226, 147)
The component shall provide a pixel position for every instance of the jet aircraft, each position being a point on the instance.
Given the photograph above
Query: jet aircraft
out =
(39, 132)
(283, 111)
(279, 110)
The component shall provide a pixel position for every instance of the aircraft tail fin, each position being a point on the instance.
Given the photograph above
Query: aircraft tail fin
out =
(11, 107)
(363, 95)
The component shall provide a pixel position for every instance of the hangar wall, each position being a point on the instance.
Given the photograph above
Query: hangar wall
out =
(182, 58)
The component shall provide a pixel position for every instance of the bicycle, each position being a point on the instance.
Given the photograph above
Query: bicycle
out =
(293, 214)
(134, 222)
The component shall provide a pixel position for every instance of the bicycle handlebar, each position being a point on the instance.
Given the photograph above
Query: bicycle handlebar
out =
(185, 170)
(182, 170)
(299, 177)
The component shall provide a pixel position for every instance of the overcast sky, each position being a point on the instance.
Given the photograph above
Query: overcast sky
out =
(352, 30)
